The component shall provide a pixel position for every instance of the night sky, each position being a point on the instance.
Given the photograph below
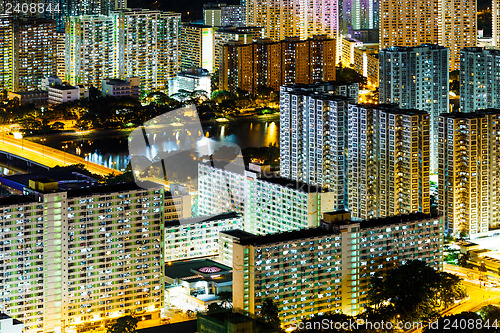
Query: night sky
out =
(194, 7)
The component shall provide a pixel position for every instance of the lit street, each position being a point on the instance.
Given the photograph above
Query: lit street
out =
(48, 156)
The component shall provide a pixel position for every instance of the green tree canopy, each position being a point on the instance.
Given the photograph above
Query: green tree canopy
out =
(414, 291)
(127, 324)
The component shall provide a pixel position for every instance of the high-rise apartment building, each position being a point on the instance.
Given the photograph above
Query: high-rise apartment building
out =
(94, 49)
(452, 24)
(222, 15)
(127, 43)
(313, 135)
(388, 161)
(469, 171)
(273, 64)
(28, 52)
(152, 47)
(301, 18)
(416, 78)
(6, 52)
(479, 79)
(359, 14)
(222, 36)
(197, 46)
(81, 256)
(495, 8)
(269, 203)
(328, 269)
(197, 237)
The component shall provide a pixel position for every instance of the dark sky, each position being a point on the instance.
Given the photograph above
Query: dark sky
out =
(194, 7)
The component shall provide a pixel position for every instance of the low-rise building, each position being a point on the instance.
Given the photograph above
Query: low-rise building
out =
(327, 269)
(194, 284)
(189, 82)
(62, 94)
(131, 87)
(197, 237)
(36, 97)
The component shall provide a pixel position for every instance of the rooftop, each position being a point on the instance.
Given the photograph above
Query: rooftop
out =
(471, 115)
(306, 234)
(203, 219)
(116, 82)
(414, 48)
(183, 327)
(238, 233)
(61, 87)
(393, 108)
(397, 219)
(287, 236)
(293, 184)
(102, 189)
(183, 269)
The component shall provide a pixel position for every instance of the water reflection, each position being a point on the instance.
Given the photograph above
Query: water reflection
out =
(110, 148)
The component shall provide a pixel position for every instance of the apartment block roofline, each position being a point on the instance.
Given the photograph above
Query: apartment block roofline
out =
(413, 48)
(124, 187)
(203, 219)
(307, 234)
(471, 115)
(393, 108)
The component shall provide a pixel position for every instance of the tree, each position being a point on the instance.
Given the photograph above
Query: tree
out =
(463, 260)
(126, 324)
(214, 308)
(269, 312)
(226, 299)
(490, 312)
(451, 290)
(413, 291)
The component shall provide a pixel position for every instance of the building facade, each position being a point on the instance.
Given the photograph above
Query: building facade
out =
(469, 175)
(94, 49)
(62, 94)
(82, 256)
(321, 270)
(302, 18)
(131, 87)
(152, 47)
(388, 161)
(479, 79)
(273, 64)
(222, 36)
(416, 78)
(269, 203)
(313, 135)
(198, 237)
(495, 6)
(28, 52)
(222, 15)
(452, 24)
(126, 43)
(366, 63)
(197, 46)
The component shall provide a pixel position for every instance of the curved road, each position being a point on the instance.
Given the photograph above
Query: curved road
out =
(49, 156)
